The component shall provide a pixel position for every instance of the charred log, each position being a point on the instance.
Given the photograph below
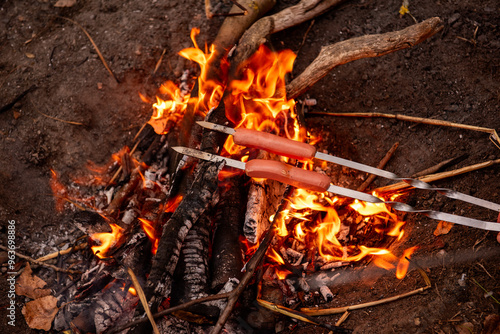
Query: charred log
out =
(175, 230)
(191, 277)
(226, 250)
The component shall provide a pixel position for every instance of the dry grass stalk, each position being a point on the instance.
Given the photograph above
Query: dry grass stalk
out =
(50, 256)
(438, 176)
(337, 310)
(381, 165)
(493, 134)
(95, 47)
(43, 264)
(144, 302)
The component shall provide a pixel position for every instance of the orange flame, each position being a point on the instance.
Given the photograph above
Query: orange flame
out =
(258, 100)
(403, 263)
(132, 291)
(167, 113)
(150, 231)
(107, 240)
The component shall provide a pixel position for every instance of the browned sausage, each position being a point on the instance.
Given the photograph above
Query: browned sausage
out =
(275, 170)
(273, 143)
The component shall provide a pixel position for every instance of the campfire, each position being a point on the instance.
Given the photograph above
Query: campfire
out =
(175, 240)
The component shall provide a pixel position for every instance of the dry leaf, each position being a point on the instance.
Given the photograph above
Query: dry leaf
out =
(443, 228)
(30, 285)
(65, 3)
(40, 313)
(492, 324)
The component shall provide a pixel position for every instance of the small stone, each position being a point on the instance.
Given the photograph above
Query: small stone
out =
(453, 18)
(417, 321)
(99, 85)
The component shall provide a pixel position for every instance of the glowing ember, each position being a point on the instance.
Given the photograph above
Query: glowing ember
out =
(107, 240)
(132, 291)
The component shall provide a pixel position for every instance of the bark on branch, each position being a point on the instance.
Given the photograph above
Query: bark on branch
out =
(368, 46)
(288, 17)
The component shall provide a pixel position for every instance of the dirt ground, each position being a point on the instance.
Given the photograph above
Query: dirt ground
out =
(453, 76)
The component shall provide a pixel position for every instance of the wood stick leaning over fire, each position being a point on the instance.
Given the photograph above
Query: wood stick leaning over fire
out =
(256, 35)
(368, 46)
(438, 176)
(493, 134)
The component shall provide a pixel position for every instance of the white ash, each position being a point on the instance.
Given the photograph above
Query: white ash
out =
(109, 194)
(129, 216)
(302, 282)
(310, 102)
(230, 285)
(149, 179)
(333, 265)
(290, 285)
(326, 293)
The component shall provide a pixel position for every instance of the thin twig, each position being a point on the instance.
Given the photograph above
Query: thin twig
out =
(171, 310)
(438, 176)
(381, 165)
(299, 316)
(337, 310)
(493, 134)
(158, 63)
(144, 302)
(305, 36)
(63, 252)
(54, 118)
(436, 168)
(43, 264)
(95, 47)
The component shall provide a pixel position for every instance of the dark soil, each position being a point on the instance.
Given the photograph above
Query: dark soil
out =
(453, 76)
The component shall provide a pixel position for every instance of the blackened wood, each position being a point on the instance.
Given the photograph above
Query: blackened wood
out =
(226, 250)
(191, 277)
(175, 230)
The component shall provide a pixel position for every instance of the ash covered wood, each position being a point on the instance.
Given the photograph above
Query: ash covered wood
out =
(227, 261)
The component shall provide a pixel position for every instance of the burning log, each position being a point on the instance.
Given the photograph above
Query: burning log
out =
(361, 47)
(263, 200)
(226, 262)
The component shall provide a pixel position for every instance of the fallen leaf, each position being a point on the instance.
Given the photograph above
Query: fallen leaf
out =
(492, 324)
(465, 328)
(17, 114)
(30, 285)
(65, 3)
(443, 228)
(29, 55)
(40, 313)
